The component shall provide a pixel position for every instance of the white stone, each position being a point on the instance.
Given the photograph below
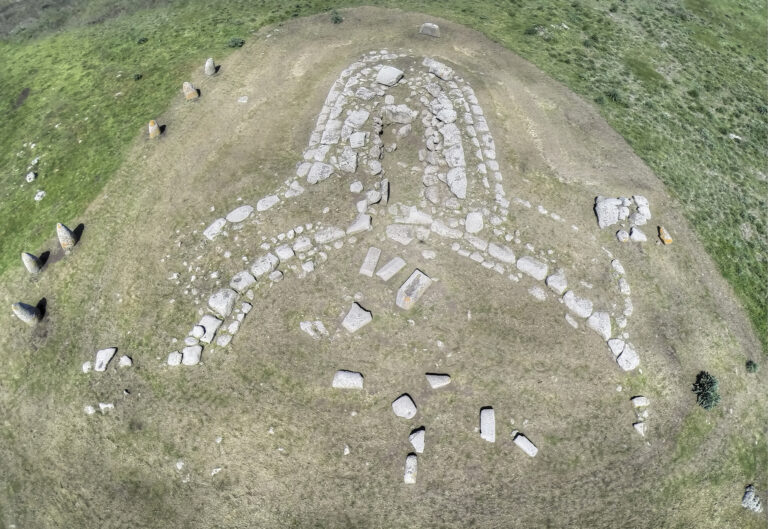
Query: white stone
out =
(617, 266)
(538, 293)
(391, 268)
(89, 410)
(241, 281)
(211, 324)
(302, 244)
(628, 359)
(557, 282)
(104, 406)
(580, 307)
(600, 322)
(318, 172)
(622, 236)
(640, 428)
(370, 261)
(525, 445)
(411, 469)
(174, 358)
(103, 356)
(328, 234)
(222, 301)
(474, 222)
(488, 425)
(239, 214)
(501, 253)
(640, 401)
(569, 319)
(284, 252)
(215, 228)
(635, 235)
(275, 276)
(400, 233)
(267, 202)
(428, 28)
(412, 290)
(347, 380)
(607, 211)
(190, 356)
(438, 380)
(356, 186)
(624, 287)
(533, 267)
(616, 346)
(223, 339)
(389, 76)
(417, 439)
(404, 407)
(442, 230)
(360, 224)
(125, 361)
(429, 254)
(356, 318)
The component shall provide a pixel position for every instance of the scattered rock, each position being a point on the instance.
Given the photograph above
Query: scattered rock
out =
(410, 469)
(190, 356)
(581, 307)
(174, 358)
(360, 224)
(488, 424)
(239, 214)
(428, 28)
(125, 361)
(267, 202)
(417, 438)
(210, 67)
(640, 401)
(67, 239)
(391, 268)
(533, 267)
(103, 356)
(640, 428)
(389, 76)
(370, 261)
(222, 301)
(438, 380)
(356, 318)
(412, 290)
(26, 313)
(347, 380)
(242, 280)
(600, 322)
(664, 235)
(404, 407)
(525, 445)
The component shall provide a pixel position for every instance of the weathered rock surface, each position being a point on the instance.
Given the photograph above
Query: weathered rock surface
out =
(222, 301)
(533, 267)
(239, 214)
(428, 28)
(347, 380)
(664, 235)
(391, 268)
(370, 261)
(389, 76)
(525, 445)
(607, 211)
(417, 438)
(210, 67)
(356, 318)
(190, 92)
(403, 406)
(750, 500)
(412, 290)
(580, 307)
(438, 380)
(103, 356)
(411, 469)
(488, 424)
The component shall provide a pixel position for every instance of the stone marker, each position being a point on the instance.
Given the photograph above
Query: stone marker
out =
(103, 357)
(428, 28)
(239, 214)
(125, 361)
(356, 318)
(557, 282)
(640, 401)
(748, 501)
(190, 356)
(581, 307)
(210, 325)
(31, 262)
(488, 424)
(26, 313)
(600, 322)
(417, 439)
(533, 267)
(190, 92)
(222, 301)
(210, 67)
(174, 358)
(664, 235)
(389, 76)
(639, 428)
(404, 407)
(387, 271)
(67, 239)
(474, 222)
(154, 129)
(264, 265)
(347, 380)
(370, 261)
(628, 359)
(438, 380)
(410, 469)
(525, 445)
(242, 280)
(413, 288)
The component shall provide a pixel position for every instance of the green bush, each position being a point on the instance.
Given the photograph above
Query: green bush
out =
(336, 18)
(141, 40)
(706, 389)
(235, 42)
(751, 366)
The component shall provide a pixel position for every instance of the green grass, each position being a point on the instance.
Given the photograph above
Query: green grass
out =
(675, 79)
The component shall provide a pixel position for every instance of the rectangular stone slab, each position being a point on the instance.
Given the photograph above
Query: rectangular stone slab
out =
(370, 261)
(413, 288)
(391, 268)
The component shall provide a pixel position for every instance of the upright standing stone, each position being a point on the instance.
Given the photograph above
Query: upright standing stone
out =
(190, 92)
(26, 313)
(210, 67)
(428, 28)
(31, 262)
(67, 239)
(154, 129)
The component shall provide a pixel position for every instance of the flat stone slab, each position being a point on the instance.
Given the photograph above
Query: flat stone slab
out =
(389, 76)
(190, 356)
(411, 469)
(412, 290)
(360, 224)
(356, 318)
(387, 271)
(403, 406)
(328, 235)
(264, 265)
(525, 445)
(580, 307)
(557, 282)
(628, 359)
(370, 261)
(210, 325)
(600, 322)
(239, 214)
(347, 380)
(501, 253)
(103, 356)
(532, 267)
(417, 438)
(488, 424)
(438, 380)
(222, 301)
(242, 280)
(267, 202)
(215, 228)
(428, 28)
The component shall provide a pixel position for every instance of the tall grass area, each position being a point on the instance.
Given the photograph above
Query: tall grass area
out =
(683, 81)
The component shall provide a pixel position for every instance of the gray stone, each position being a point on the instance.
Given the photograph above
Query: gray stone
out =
(441, 70)
(360, 224)
(451, 135)
(210, 67)
(67, 239)
(222, 301)
(318, 172)
(190, 356)
(31, 262)
(635, 235)
(356, 318)
(387, 271)
(328, 234)
(239, 214)
(347, 380)
(417, 438)
(457, 182)
(438, 380)
(103, 356)
(400, 114)
(210, 324)
(428, 28)
(264, 265)
(557, 282)
(26, 313)
(600, 322)
(488, 424)
(501, 253)
(284, 252)
(607, 211)
(412, 290)
(454, 156)
(474, 222)
(581, 307)
(174, 358)
(267, 202)
(628, 359)
(302, 244)
(242, 280)
(525, 445)
(389, 75)
(622, 236)
(411, 469)
(370, 261)
(404, 407)
(400, 233)
(215, 228)
(640, 401)
(750, 500)
(533, 267)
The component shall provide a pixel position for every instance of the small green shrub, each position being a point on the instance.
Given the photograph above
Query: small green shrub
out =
(613, 95)
(235, 42)
(751, 366)
(141, 40)
(137, 76)
(336, 18)
(532, 30)
(706, 389)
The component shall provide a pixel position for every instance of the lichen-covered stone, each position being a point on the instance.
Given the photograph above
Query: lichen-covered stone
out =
(67, 239)
(154, 129)
(31, 263)
(190, 92)
(664, 235)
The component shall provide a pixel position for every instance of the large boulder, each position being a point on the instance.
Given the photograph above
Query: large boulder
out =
(222, 301)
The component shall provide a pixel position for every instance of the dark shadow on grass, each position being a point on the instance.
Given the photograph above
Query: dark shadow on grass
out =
(78, 232)
(42, 306)
(43, 259)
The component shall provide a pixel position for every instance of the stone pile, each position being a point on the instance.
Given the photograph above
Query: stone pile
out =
(611, 211)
